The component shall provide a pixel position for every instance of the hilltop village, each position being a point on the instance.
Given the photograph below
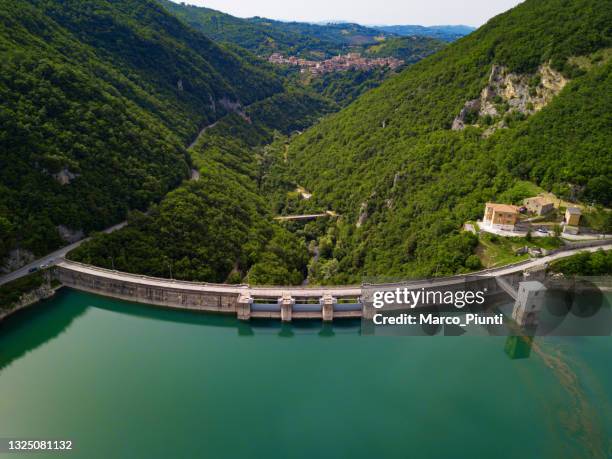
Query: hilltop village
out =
(336, 63)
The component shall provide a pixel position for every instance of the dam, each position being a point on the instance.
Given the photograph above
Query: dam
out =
(251, 302)
(289, 303)
(243, 301)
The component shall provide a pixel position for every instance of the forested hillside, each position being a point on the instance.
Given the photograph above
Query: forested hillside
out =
(314, 42)
(218, 228)
(97, 101)
(344, 87)
(407, 163)
(99, 98)
(408, 49)
(266, 36)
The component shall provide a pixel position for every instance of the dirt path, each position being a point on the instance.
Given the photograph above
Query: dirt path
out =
(202, 131)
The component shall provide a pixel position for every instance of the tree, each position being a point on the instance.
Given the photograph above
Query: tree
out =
(473, 262)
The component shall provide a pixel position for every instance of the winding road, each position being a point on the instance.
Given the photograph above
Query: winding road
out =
(52, 257)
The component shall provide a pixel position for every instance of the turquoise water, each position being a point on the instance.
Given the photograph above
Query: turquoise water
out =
(127, 380)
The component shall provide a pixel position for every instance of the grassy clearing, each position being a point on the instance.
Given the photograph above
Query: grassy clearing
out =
(520, 190)
(494, 251)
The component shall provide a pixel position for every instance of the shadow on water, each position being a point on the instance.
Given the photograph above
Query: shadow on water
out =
(36, 325)
(48, 319)
(244, 328)
(300, 327)
(518, 347)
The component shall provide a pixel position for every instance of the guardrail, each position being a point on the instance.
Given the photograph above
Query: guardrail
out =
(282, 302)
(306, 288)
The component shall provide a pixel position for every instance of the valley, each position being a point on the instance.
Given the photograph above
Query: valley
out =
(233, 236)
(393, 165)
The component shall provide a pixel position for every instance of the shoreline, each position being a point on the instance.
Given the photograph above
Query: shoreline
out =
(34, 299)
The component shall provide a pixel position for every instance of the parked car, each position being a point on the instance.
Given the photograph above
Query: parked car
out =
(33, 269)
(542, 230)
(535, 252)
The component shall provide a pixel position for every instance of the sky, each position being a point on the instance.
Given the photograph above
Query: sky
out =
(378, 12)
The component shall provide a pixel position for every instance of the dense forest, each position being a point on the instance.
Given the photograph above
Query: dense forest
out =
(344, 87)
(100, 98)
(403, 182)
(597, 263)
(218, 228)
(408, 49)
(97, 100)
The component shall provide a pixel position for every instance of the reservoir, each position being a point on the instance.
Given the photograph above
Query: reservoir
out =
(127, 380)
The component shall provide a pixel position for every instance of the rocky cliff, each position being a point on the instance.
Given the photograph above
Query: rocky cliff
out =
(29, 298)
(510, 94)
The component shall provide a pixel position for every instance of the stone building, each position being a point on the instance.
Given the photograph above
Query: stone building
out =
(572, 216)
(500, 216)
(539, 205)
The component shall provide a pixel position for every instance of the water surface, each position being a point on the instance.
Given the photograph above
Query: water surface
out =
(128, 380)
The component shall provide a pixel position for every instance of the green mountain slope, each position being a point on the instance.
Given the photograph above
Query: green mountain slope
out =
(404, 180)
(97, 100)
(220, 227)
(265, 36)
(409, 49)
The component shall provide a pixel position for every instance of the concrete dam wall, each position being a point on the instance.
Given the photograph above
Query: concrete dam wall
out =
(246, 302)
(178, 295)
(285, 303)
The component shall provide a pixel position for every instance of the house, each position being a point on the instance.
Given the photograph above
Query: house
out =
(500, 216)
(572, 216)
(539, 205)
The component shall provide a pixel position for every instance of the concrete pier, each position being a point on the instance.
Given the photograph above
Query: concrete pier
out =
(529, 302)
(243, 306)
(327, 307)
(286, 306)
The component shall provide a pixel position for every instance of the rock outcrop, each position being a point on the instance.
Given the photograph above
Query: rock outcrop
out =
(70, 235)
(16, 259)
(229, 106)
(363, 214)
(64, 177)
(507, 93)
(29, 298)
(460, 121)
